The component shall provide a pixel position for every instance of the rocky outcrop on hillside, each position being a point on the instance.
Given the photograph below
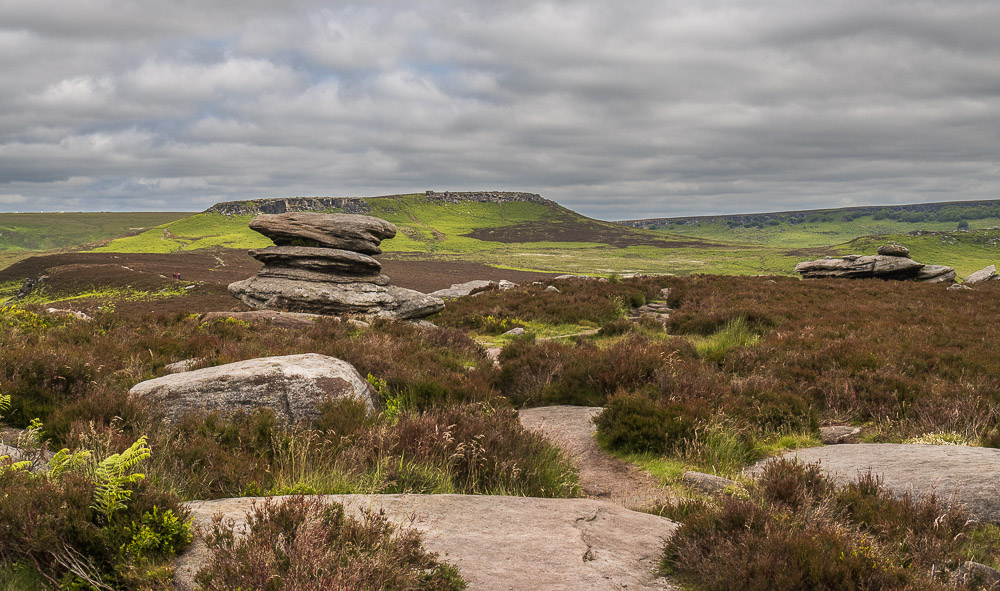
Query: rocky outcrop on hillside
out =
(293, 386)
(322, 265)
(359, 205)
(891, 262)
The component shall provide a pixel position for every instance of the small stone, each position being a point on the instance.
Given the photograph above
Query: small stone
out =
(836, 434)
(894, 250)
(182, 366)
(504, 285)
(73, 313)
(959, 287)
(553, 289)
(514, 332)
(458, 290)
(707, 482)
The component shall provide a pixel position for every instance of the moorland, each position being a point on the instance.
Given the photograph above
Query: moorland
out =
(745, 368)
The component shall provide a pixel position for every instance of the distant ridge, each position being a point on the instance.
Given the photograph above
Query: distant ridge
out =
(360, 204)
(946, 211)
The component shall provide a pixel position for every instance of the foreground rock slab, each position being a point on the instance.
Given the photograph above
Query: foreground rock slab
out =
(293, 386)
(957, 474)
(981, 275)
(502, 543)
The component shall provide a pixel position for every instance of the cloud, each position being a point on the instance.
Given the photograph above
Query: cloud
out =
(646, 108)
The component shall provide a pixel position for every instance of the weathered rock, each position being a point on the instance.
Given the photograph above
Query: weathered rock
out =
(182, 365)
(458, 290)
(973, 573)
(880, 266)
(504, 285)
(293, 386)
(836, 434)
(499, 543)
(564, 277)
(956, 474)
(328, 261)
(959, 287)
(74, 313)
(894, 250)
(275, 317)
(936, 274)
(552, 288)
(319, 276)
(39, 458)
(358, 233)
(518, 331)
(981, 275)
(708, 483)
(364, 299)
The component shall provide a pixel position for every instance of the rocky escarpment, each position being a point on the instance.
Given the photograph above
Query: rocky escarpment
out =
(322, 264)
(892, 262)
(360, 205)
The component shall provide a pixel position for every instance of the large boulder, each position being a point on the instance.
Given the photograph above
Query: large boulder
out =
(293, 386)
(981, 275)
(365, 299)
(458, 290)
(880, 266)
(359, 233)
(936, 274)
(894, 250)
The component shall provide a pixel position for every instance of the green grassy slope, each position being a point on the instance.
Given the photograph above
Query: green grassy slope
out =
(48, 231)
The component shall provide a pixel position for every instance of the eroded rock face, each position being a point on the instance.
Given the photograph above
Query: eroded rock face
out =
(458, 290)
(894, 250)
(358, 233)
(293, 386)
(878, 266)
(337, 277)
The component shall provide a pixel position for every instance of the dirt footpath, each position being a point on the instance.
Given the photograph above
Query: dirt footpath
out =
(601, 476)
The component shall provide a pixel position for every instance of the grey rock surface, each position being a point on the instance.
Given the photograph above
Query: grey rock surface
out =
(458, 290)
(959, 287)
(708, 483)
(514, 332)
(936, 274)
(358, 233)
(182, 365)
(366, 299)
(275, 317)
(836, 434)
(894, 250)
(974, 573)
(981, 275)
(331, 261)
(39, 458)
(880, 266)
(564, 277)
(957, 474)
(501, 543)
(293, 386)
(552, 288)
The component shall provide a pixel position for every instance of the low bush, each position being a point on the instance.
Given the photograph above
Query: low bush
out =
(305, 544)
(797, 531)
(636, 423)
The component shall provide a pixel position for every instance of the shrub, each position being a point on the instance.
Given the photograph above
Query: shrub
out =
(636, 423)
(305, 544)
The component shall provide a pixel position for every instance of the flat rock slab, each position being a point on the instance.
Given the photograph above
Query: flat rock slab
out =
(459, 290)
(329, 261)
(282, 319)
(601, 476)
(503, 543)
(966, 475)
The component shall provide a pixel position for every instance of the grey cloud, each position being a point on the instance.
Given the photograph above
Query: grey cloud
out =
(624, 110)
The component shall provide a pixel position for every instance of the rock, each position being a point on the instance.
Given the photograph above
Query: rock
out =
(553, 289)
(879, 266)
(835, 434)
(504, 285)
(358, 323)
(422, 324)
(329, 261)
(936, 274)
(959, 287)
(513, 332)
(39, 458)
(182, 366)
(973, 573)
(894, 250)
(358, 233)
(708, 483)
(981, 275)
(956, 474)
(73, 313)
(293, 386)
(458, 290)
(319, 277)
(586, 277)
(275, 317)
(335, 298)
(498, 543)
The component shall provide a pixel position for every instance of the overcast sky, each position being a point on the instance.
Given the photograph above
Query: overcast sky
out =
(616, 109)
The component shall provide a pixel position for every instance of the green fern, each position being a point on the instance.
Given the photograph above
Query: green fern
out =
(35, 433)
(65, 461)
(6, 468)
(114, 474)
(4, 404)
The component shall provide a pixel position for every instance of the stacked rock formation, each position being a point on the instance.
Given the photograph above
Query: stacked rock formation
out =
(892, 262)
(322, 264)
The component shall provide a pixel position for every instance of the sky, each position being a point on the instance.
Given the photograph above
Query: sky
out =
(615, 109)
